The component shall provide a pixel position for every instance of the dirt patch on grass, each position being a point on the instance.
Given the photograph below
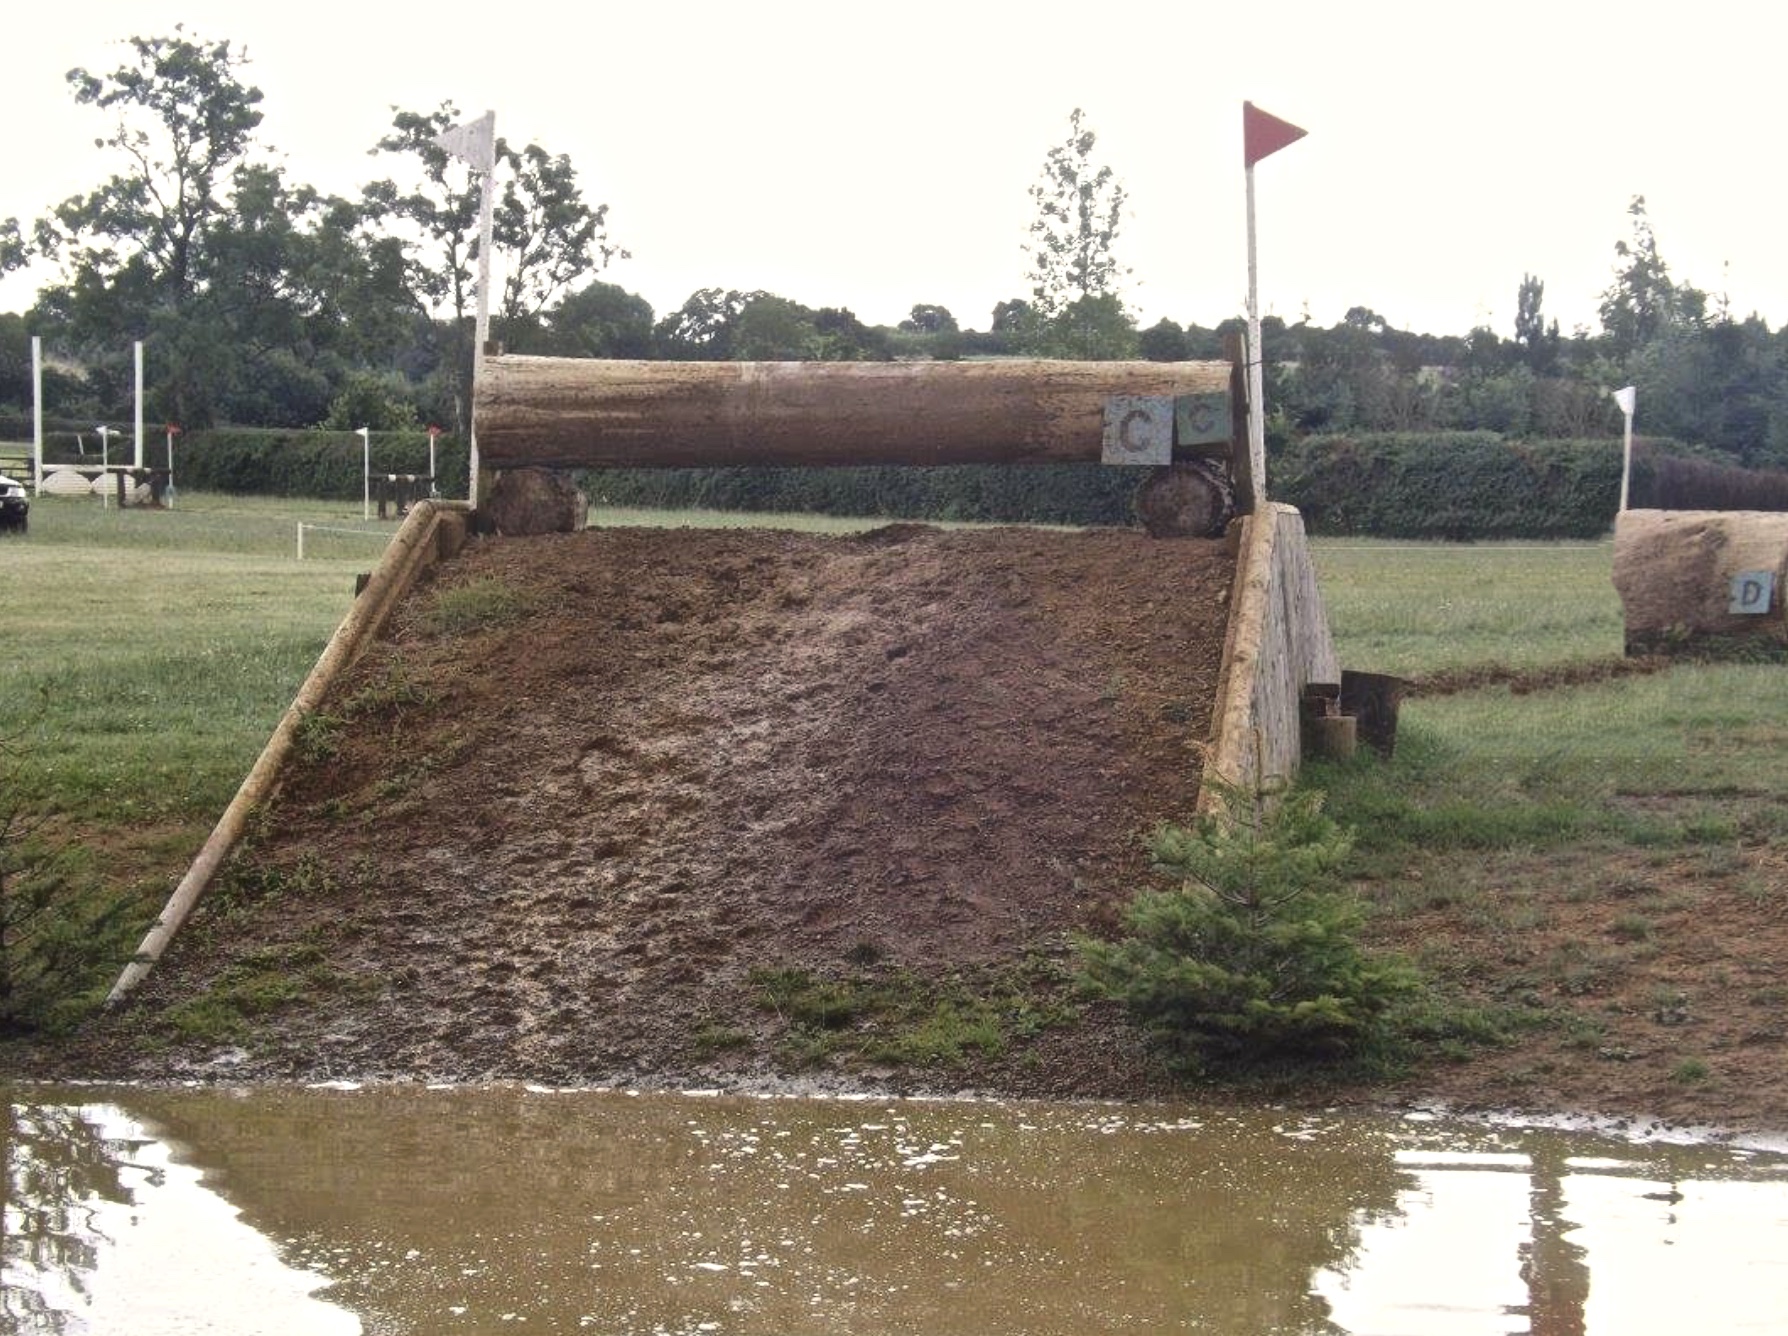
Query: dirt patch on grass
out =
(1638, 982)
(594, 790)
(1520, 681)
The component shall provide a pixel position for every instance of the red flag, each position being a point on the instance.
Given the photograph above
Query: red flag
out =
(1263, 134)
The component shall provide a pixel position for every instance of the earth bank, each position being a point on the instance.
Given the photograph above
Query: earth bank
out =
(628, 803)
(739, 807)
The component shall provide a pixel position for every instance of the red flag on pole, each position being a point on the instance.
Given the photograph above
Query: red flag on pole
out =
(1263, 134)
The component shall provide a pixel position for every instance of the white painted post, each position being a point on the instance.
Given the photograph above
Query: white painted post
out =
(1628, 399)
(475, 143)
(365, 435)
(483, 325)
(138, 462)
(301, 540)
(37, 411)
(173, 431)
(1257, 450)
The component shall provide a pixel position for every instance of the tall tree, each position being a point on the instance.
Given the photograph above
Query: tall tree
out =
(600, 320)
(135, 251)
(1075, 274)
(1636, 306)
(185, 121)
(13, 250)
(1537, 340)
(1079, 209)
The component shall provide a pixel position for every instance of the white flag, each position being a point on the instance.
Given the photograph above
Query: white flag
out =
(474, 142)
(1626, 399)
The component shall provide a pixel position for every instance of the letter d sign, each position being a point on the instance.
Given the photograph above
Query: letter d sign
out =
(1752, 592)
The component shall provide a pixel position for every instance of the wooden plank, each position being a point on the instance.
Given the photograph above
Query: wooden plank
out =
(583, 413)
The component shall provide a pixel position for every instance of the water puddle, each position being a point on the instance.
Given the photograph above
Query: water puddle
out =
(411, 1210)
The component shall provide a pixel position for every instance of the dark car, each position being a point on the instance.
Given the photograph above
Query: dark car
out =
(15, 506)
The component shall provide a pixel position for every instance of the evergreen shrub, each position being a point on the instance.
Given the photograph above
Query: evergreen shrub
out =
(1252, 955)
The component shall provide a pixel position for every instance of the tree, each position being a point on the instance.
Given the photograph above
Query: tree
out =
(1163, 341)
(1012, 316)
(927, 319)
(548, 236)
(13, 250)
(252, 294)
(1253, 953)
(136, 251)
(1074, 271)
(703, 327)
(185, 121)
(1079, 209)
(551, 237)
(600, 320)
(1537, 340)
(1637, 304)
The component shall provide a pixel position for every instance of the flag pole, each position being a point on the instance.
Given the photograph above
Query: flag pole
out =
(475, 143)
(1262, 134)
(1628, 399)
(1256, 370)
(481, 335)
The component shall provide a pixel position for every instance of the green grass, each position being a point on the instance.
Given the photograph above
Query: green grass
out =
(1409, 608)
(1489, 768)
(479, 605)
(148, 654)
(895, 1016)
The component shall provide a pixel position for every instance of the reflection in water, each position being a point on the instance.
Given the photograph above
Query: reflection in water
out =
(58, 1169)
(104, 1232)
(477, 1211)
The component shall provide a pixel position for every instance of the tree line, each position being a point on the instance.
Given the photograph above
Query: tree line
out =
(265, 302)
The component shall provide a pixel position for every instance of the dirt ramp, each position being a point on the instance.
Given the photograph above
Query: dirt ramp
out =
(587, 782)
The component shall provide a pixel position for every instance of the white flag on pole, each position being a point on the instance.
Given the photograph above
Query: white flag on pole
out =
(1626, 398)
(474, 142)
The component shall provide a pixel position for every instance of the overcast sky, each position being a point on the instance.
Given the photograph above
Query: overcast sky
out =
(878, 156)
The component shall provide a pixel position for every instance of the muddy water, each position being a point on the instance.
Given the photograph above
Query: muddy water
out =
(410, 1210)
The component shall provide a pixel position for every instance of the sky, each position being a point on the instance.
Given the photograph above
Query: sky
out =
(875, 157)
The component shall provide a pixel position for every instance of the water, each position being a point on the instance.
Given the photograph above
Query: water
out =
(413, 1210)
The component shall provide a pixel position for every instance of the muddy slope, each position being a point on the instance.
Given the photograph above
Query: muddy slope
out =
(589, 783)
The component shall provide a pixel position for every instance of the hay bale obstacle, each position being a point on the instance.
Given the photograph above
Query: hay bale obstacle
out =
(1704, 583)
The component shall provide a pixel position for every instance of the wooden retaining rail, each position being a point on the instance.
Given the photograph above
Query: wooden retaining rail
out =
(434, 529)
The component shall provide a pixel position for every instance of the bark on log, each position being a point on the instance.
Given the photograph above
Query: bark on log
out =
(1191, 500)
(580, 413)
(530, 501)
(1673, 570)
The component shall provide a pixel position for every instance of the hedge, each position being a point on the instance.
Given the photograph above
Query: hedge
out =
(1453, 485)
(327, 464)
(1041, 494)
(1448, 485)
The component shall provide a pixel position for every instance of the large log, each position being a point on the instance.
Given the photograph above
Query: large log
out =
(1674, 571)
(580, 413)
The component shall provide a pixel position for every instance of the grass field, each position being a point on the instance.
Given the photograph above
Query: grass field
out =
(147, 656)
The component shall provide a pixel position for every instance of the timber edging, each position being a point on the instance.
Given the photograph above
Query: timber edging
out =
(433, 530)
(1277, 644)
